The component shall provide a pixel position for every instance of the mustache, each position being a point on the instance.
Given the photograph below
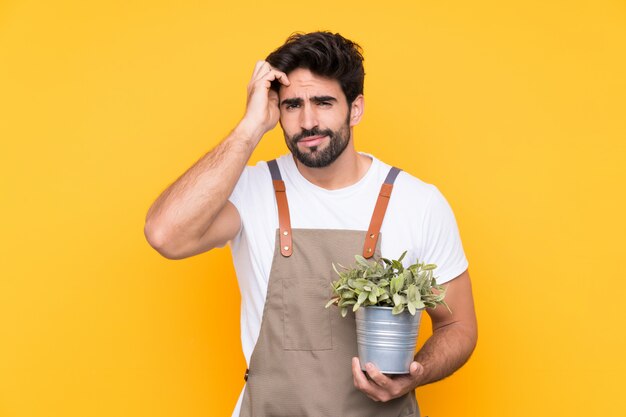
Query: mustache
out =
(306, 133)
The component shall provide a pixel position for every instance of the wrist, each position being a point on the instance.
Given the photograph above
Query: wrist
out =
(248, 133)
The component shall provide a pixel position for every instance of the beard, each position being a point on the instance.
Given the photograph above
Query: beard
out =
(316, 157)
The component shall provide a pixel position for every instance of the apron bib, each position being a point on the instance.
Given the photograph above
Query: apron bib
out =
(301, 363)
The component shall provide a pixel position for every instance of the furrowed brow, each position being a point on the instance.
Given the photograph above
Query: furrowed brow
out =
(319, 99)
(291, 101)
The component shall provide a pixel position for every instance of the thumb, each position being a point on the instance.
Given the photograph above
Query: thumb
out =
(416, 369)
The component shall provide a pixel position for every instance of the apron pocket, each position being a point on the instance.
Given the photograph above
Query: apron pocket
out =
(306, 323)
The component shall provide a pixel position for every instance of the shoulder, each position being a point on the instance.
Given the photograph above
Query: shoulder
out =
(406, 184)
(258, 171)
(414, 185)
(414, 197)
(253, 177)
(418, 193)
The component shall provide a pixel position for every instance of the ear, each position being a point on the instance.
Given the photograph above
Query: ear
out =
(356, 110)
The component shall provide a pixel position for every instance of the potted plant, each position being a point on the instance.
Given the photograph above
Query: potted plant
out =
(392, 298)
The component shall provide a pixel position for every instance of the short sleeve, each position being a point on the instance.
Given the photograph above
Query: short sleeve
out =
(441, 241)
(236, 197)
(251, 193)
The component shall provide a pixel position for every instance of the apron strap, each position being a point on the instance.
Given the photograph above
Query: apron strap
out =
(371, 238)
(284, 222)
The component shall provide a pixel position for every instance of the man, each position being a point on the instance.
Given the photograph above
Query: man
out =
(289, 219)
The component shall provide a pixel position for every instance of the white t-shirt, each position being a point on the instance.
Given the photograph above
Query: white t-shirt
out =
(418, 220)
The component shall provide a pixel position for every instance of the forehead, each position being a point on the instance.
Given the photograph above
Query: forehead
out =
(304, 84)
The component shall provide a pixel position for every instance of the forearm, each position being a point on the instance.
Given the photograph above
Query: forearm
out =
(445, 351)
(187, 208)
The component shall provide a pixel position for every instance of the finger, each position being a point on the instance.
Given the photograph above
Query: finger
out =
(265, 81)
(357, 374)
(274, 74)
(282, 78)
(416, 369)
(361, 382)
(273, 97)
(378, 377)
(260, 74)
(257, 68)
(263, 71)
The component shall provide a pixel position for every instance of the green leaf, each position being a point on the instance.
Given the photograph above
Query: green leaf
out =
(331, 302)
(393, 286)
(397, 309)
(411, 308)
(362, 297)
(372, 298)
(359, 283)
(397, 299)
(400, 283)
(361, 261)
(402, 256)
(344, 311)
(347, 294)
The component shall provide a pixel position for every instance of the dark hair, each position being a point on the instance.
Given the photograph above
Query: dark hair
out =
(324, 54)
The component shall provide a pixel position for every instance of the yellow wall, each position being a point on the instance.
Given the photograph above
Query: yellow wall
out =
(515, 109)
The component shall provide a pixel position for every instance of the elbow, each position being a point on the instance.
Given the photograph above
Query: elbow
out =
(468, 341)
(473, 342)
(472, 339)
(158, 239)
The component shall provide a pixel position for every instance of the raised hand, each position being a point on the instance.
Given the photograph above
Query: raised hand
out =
(262, 111)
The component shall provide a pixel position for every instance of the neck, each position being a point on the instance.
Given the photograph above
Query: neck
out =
(346, 170)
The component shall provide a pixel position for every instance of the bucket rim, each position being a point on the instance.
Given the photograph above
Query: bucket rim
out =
(389, 308)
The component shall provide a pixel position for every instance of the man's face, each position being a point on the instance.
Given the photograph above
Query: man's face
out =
(315, 118)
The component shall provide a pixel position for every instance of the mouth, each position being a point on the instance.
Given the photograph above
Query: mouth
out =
(311, 141)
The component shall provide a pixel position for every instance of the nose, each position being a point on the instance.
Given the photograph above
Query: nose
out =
(308, 117)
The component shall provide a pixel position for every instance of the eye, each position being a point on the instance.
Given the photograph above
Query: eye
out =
(291, 106)
(324, 104)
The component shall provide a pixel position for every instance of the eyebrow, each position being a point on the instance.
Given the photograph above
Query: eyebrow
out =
(314, 99)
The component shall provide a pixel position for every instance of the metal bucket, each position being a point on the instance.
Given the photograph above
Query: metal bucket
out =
(386, 340)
